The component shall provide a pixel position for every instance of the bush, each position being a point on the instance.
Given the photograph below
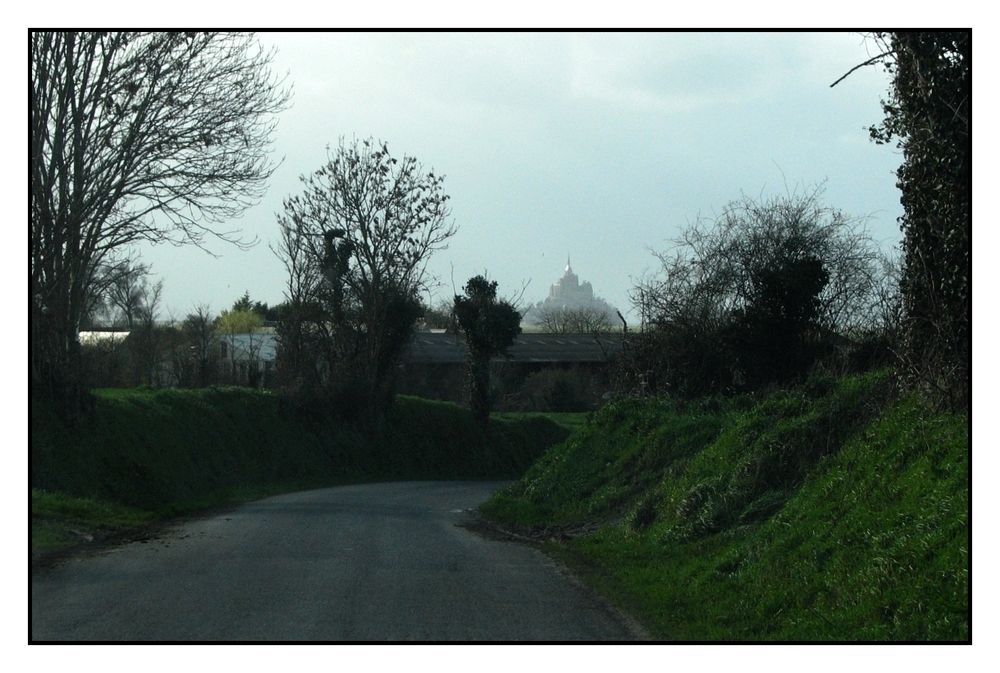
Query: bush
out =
(756, 298)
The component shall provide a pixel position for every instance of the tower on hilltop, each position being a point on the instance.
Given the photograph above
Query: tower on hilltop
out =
(568, 294)
(568, 290)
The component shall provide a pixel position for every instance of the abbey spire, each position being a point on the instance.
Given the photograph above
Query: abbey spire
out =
(569, 294)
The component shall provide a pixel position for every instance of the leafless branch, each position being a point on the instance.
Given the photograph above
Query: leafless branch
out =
(872, 61)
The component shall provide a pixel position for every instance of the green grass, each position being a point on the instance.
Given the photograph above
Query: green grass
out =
(59, 521)
(569, 420)
(147, 455)
(819, 514)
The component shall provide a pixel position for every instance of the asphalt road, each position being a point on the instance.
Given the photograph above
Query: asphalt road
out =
(374, 562)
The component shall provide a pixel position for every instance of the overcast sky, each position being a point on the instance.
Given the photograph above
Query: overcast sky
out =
(599, 146)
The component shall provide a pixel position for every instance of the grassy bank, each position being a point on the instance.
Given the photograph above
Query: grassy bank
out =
(144, 455)
(833, 512)
(568, 419)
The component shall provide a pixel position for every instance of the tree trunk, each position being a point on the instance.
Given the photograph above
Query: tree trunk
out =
(479, 390)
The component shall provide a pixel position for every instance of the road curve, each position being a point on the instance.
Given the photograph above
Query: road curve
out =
(373, 562)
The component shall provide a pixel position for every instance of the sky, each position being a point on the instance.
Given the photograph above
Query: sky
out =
(598, 146)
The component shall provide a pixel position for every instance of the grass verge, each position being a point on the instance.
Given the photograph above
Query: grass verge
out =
(569, 420)
(825, 513)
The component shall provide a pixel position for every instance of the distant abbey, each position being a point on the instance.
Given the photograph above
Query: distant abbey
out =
(568, 293)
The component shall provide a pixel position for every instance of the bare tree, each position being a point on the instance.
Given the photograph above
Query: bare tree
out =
(574, 319)
(145, 336)
(126, 293)
(134, 137)
(304, 336)
(552, 319)
(200, 338)
(356, 244)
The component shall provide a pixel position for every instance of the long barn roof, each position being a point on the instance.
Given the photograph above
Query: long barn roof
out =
(437, 348)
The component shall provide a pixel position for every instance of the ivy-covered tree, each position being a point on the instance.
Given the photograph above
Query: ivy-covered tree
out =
(929, 113)
(490, 326)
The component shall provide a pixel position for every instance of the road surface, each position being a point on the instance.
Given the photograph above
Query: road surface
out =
(373, 562)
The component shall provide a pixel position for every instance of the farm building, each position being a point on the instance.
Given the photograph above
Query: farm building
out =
(436, 367)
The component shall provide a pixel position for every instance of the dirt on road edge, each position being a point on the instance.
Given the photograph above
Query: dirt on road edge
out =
(577, 568)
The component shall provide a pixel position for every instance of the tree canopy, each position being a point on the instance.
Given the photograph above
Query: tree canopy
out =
(135, 137)
(239, 321)
(356, 244)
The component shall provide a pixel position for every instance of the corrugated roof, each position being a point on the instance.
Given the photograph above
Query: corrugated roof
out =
(450, 348)
(89, 338)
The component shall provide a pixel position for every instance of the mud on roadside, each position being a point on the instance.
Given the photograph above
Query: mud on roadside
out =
(84, 541)
(576, 567)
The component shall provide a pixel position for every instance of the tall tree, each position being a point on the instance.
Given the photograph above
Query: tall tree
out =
(134, 137)
(200, 338)
(490, 326)
(356, 244)
(929, 113)
(244, 303)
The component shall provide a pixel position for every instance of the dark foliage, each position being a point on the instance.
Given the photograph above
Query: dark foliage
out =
(356, 244)
(558, 390)
(490, 327)
(929, 112)
(757, 298)
(773, 339)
